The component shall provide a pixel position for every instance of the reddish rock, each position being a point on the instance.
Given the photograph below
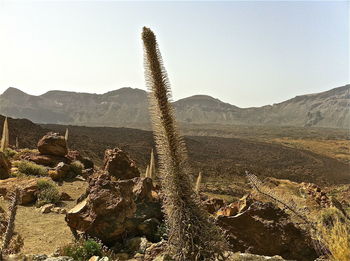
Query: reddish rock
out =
(236, 207)
(46, 160)
(102, 214)
(5, 166)
(111, 208)
(212, 205)
(28, 189)
(119, 165)
(248, 232)
(230, 210)
(53, 144)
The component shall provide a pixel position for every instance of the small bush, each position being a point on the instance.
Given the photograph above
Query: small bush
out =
(76, 168)
(328, 215)
(48, 193)
(82, 250)
(30, 168)
(9, 153)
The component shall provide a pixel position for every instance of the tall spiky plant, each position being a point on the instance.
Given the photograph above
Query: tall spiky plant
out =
(147, 172)
(17, 143)
(5, 136)
(152, 166)
(198, 182)
(66, 135)
(192, 235)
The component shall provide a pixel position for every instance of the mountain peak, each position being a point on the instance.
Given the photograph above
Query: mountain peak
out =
(205, 100)
(11, 91)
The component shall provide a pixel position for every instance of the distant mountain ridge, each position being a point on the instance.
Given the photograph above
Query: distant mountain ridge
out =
(128, 107)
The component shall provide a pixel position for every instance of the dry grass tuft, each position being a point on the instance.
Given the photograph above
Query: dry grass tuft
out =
(335, 238)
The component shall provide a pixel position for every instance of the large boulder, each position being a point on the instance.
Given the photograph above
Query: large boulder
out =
(111, 209)
(53, 144)
(248, 231)
(5, 166)
(103, 213)
(28, 189)
(119, 165)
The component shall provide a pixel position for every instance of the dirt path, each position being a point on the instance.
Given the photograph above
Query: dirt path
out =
(44, 233)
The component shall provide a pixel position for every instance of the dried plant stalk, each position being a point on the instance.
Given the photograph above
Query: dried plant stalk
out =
(152, 166)
(192, 235)
(198, 182)
(11, 221)
(5, 140)
(258, 186)
(66, 134)
(147, 172)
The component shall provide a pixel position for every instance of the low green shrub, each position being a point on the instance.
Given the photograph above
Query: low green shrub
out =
(48, 193)
(328, 215)
(84, 249)
(76, 168)
(9, 153)
(30, 168)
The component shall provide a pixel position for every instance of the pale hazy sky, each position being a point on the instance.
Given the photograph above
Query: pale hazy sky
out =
(244, 53)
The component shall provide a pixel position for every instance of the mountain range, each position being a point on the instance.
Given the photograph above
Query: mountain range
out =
(128, 107)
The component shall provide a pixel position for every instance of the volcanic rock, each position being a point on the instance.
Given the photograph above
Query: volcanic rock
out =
(53, 144)
(249, 230)
(102, 214)
(46, 160)
(119, 165)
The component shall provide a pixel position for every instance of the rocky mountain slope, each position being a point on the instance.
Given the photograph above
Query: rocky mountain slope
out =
(128, 107)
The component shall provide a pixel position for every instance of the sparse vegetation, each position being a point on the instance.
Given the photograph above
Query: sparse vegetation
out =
(30, 168)
(48, 193)
(84, 249)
